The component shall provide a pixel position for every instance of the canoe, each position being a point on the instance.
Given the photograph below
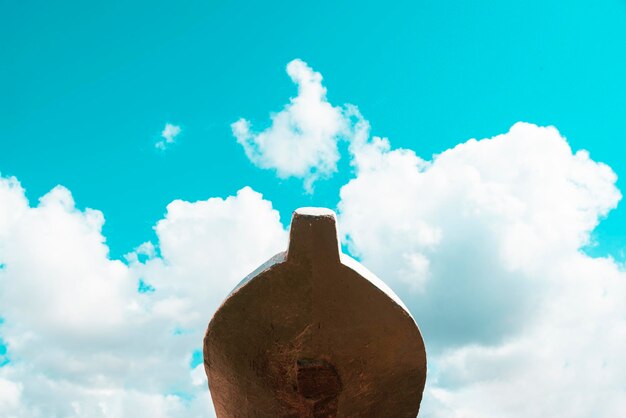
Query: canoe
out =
(313, 333)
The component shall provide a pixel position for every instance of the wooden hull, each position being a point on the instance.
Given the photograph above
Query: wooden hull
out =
(313, 334)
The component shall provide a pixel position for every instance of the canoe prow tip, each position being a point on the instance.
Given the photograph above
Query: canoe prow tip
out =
(313, 234)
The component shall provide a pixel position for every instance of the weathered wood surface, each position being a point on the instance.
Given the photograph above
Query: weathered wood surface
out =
(311, 333)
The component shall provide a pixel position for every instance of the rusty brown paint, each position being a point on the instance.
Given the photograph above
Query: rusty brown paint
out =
(311, 334)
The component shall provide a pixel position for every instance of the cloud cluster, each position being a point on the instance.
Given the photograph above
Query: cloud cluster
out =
(82, 340)
(483, 242)
(168, 136)
(481, 218)
(302, 138)
(484, 245)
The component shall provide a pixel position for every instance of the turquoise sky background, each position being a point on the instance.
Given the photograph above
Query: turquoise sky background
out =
(491, 267)
(86, 88)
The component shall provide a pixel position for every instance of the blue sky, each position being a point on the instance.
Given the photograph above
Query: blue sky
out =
(86, 89)
(166, 126)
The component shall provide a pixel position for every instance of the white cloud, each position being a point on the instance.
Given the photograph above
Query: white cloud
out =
(567, 362)
(83, 342)
(206, 248)
(168, 136)
(10, 394)
(302, 138)
(484, 243)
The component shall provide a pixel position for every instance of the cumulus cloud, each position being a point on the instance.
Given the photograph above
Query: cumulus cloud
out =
(168, 136)
(302, 138)
(483, 242)
(81, 339)
(206, 248)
